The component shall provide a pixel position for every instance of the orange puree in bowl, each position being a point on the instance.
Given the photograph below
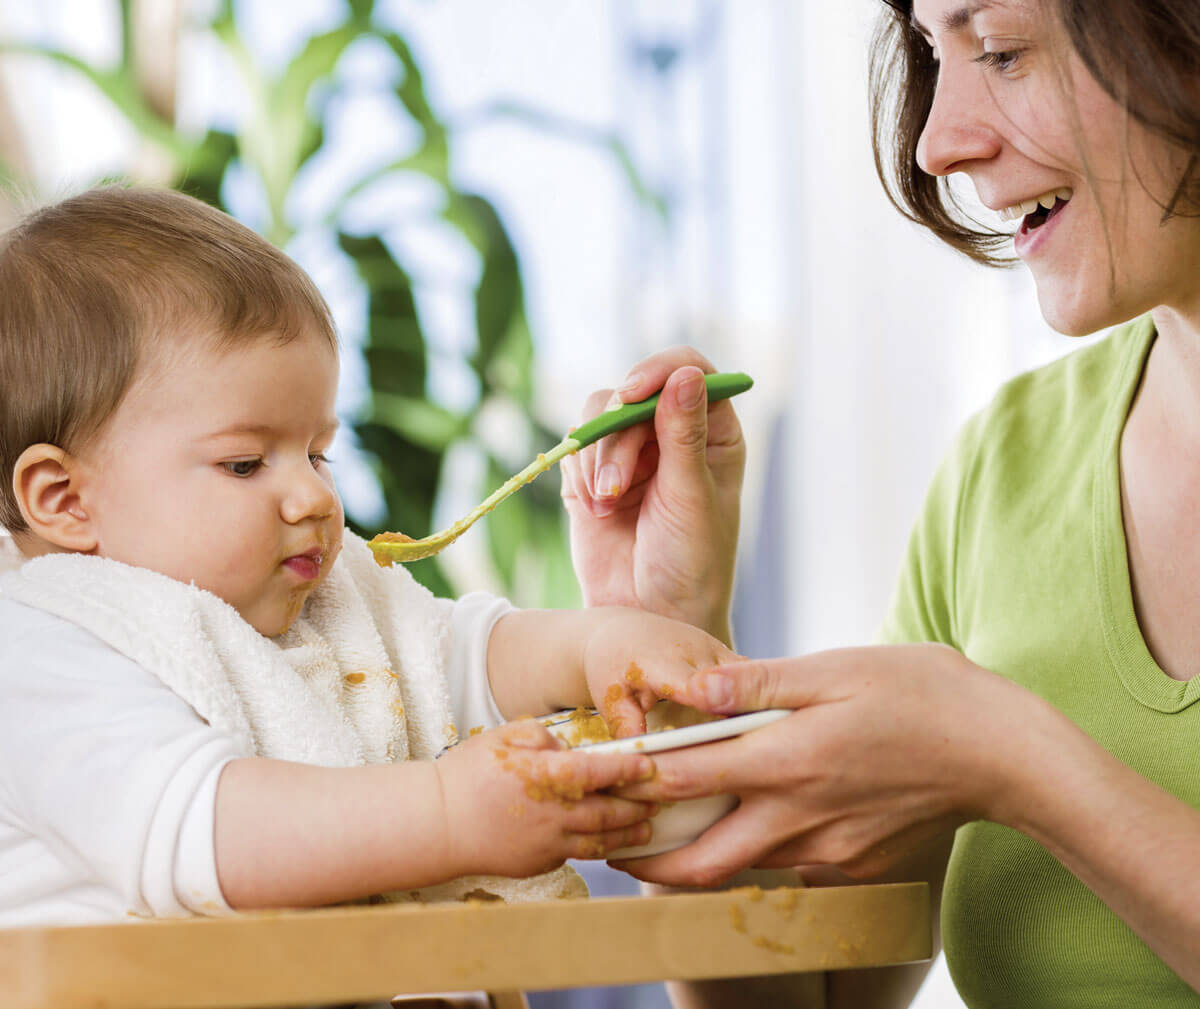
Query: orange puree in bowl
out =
(583, 727)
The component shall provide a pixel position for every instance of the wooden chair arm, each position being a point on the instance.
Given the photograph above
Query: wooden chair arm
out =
(349, 954)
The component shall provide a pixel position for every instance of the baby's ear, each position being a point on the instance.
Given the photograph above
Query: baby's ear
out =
(46, 481)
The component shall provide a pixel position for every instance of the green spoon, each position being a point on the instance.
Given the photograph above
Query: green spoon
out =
(391, 547)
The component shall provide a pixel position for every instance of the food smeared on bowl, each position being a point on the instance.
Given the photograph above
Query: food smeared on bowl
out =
(670, 726)
(585, 726)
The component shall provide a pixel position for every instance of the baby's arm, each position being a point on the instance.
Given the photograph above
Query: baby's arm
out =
(508, 802)
(620, 659)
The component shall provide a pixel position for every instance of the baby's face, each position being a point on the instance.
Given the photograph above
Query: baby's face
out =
(212, 471)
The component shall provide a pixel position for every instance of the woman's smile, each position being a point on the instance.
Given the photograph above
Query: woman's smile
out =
(1038, 224)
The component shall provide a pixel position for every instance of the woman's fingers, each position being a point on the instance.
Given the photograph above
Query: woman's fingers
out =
(730, 845)
(649, 375)
(596, 485)
(754, 684)
(731, 765)
(684, 430)
(578, 469)
(606, 470)
(871, 858)
(680, 427)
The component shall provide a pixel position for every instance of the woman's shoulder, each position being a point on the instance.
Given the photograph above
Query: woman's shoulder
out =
(1085, 382)
(1061, 407)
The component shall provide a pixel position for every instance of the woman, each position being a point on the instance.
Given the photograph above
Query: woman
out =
(1036, 699)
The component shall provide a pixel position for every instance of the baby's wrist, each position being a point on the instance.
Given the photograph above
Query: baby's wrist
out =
(445, 832)
(610, 629)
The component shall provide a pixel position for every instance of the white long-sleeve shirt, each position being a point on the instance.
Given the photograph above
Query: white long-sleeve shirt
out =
(108, 779)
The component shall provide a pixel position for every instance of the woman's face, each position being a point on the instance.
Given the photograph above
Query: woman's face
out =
(1016, 110)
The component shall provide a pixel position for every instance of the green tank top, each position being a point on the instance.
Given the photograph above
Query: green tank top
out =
(1018, 560)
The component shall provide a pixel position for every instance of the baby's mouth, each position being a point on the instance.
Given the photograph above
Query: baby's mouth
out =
(1037, 211)
(307, 565)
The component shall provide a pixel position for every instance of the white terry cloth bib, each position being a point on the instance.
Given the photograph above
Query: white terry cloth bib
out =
(359, 678)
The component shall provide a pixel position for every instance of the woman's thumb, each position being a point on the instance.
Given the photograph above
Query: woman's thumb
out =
(749, 685)
(681, 422)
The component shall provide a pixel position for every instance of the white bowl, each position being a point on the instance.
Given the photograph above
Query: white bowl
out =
(677, 823)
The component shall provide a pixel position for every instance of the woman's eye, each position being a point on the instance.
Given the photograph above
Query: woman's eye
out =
(242, 467)
(1002, 61)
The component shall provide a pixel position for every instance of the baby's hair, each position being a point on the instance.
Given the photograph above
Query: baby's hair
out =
(91, 286)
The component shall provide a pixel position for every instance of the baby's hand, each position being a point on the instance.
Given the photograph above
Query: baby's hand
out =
(633, 659)
(517, 803)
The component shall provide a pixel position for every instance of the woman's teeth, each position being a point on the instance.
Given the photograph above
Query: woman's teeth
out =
(1046, 201)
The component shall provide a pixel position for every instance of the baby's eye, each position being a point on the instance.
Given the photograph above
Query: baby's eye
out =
(242, 467)
(316, 458)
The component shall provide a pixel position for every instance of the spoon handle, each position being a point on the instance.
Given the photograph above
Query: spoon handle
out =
(720, 386)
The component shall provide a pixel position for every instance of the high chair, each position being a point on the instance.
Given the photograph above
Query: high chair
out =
(336, 956)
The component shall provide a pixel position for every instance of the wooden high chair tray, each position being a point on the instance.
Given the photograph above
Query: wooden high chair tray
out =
(345, 954)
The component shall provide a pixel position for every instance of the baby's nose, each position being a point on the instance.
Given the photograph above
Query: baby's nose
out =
(309, 497)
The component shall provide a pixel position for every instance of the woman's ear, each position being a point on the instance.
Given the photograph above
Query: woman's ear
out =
(46, 482)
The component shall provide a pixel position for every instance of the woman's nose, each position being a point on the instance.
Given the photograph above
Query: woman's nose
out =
(309, 496)
(958, 130)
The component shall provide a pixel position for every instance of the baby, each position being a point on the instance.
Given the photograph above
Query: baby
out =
(211, 697)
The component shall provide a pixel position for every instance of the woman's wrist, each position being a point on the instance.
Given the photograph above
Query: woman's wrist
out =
(1022, 785)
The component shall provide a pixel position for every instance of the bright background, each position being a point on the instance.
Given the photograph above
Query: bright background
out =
(869, 342)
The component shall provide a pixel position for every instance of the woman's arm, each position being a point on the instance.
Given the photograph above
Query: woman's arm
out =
(1132, 843)
(891, 747)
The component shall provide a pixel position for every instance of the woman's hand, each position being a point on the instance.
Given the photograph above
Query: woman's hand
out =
(889, 747)
(654, 509)
(631, 659)
(516, 803)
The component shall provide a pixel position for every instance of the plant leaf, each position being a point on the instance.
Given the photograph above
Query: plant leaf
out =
(119, 87)
(395, 345)
(424, 423)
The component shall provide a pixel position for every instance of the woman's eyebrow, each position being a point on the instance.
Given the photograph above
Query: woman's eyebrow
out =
(956, 19)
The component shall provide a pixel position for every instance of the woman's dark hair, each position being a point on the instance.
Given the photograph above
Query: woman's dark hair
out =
(1145, 53)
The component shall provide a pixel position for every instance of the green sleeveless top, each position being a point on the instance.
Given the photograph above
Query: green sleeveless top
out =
(1018, 560)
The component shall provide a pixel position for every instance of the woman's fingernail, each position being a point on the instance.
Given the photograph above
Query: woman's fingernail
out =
(646, 769)
(632, 381)
(717, 691)
(608, 481)
(690, 392)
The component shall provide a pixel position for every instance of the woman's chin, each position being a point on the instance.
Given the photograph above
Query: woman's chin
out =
(1068, 313)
